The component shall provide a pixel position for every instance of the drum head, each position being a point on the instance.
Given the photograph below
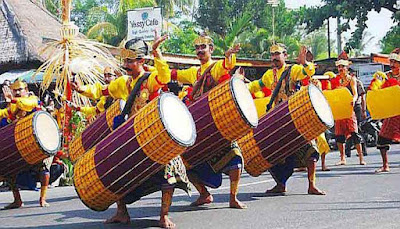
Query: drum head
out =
(177, 119)
(244, 101)
(321, 106)
(46, 132)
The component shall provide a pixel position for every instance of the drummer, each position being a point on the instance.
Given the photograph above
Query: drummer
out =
(22, 104)
(347, 128)
(390, 131)
(292, 75)
(133, 54)
(229, 160)
(104, 101)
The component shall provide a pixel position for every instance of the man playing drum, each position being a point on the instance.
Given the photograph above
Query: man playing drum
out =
(346, 128)
(22, 104)
(229, 160)
(390, 131)
(104, 101)
(133, 55)
(290, 77)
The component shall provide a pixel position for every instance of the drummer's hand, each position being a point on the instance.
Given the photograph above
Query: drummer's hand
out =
(7, 94)
(301, 59)
(76, 86)
(234, 49)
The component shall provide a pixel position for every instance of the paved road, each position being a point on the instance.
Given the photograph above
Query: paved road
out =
(357, 198)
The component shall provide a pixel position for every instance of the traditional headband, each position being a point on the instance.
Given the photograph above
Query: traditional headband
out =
(203, 40)
(394, 56)
(18, 85)
(277, 48)
(343, 62)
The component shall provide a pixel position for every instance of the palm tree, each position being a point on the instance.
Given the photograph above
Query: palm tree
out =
(114, 27)
(238, 26)
(169, 6)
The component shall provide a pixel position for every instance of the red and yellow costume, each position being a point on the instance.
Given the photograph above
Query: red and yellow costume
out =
(390, 130)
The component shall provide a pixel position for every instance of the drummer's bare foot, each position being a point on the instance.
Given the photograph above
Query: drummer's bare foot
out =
(13, 205)
(165, 222)
(315, 191)
(341, 162)
(382, 170)
(120, 217)
(43, 203)
(277, 189)
(203, 199)
(363, 163)
(326, 169)
(235, 203)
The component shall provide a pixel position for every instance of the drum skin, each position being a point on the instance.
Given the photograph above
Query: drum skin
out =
(20, 148)
(291, 125)
(125, 158)
(219, 121)
(95, 132)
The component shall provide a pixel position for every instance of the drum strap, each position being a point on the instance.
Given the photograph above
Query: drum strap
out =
(198, 88)
(133, 94)
(284, 76)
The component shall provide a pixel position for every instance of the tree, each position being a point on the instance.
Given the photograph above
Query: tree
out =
(169, 6)
(391, 40)
(181, 40)
(314, 17)
(114, 28)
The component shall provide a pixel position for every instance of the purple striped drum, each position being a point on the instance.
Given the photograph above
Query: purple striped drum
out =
(284, 130)
(27, 142)
(225, 113)
(133, 152)
(96, 131)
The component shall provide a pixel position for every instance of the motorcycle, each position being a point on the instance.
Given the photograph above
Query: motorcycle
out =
(369, 130)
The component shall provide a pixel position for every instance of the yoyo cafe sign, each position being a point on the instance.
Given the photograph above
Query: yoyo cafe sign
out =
(142, 23)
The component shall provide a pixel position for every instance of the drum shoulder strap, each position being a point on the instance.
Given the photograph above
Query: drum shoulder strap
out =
(285, 76)
(132, 96)
(198, 88)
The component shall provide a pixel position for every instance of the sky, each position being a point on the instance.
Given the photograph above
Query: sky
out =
(378, 24)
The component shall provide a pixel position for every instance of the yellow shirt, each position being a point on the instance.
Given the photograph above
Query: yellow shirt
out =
(220, 68)
(22, 103)
(119, 88)
(93, 111)
(298, 72)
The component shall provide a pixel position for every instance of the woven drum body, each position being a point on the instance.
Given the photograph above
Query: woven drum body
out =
(224, 114)
(291, 125)
(133, 152)
(96, 131)
(27, 142)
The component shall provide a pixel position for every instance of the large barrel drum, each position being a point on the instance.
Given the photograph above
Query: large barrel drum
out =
(133, 152)
(288, 127)
(225, 113)
(27, 142)
(96, 131)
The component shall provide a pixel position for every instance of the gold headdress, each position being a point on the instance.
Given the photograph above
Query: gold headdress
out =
(18, 84)
(135, 48)
(278, 47)
(343, 59)
(203, 39)
(395, 55)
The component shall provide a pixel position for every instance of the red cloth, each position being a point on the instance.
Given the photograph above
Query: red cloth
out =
(335, 82)
(390, 82)
(346, 126)
(391, 128)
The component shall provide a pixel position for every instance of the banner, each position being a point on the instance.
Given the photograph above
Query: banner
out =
(142, 23)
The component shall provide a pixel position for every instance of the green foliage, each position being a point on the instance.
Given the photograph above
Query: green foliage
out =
(314, 17)
(391, 40)
(181, 39)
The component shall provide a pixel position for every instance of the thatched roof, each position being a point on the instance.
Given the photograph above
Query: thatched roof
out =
(23, 25)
